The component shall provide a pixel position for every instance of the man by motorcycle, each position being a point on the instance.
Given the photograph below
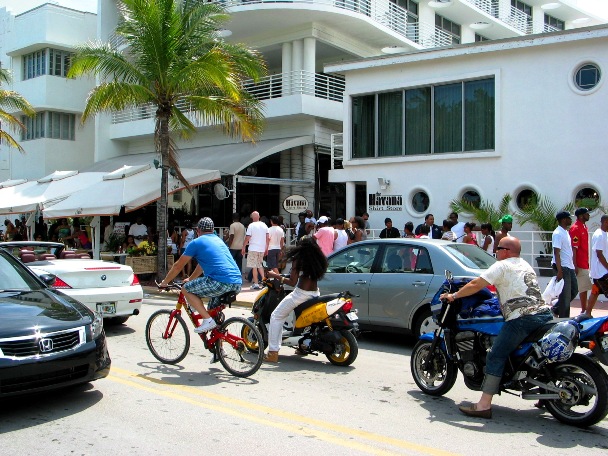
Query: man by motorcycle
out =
(308, 266)
(523, 309)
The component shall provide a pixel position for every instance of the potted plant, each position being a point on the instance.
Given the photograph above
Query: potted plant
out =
(114, 242)
(540, 212)
(486, 212)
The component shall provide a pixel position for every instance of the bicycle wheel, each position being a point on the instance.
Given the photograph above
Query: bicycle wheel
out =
(232, 350)
(172, 349)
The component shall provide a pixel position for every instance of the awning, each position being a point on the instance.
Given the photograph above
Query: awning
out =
(128, 186)
(27, 196)
(227, 158)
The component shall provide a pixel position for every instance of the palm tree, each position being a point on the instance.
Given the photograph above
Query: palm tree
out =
(173, 59)
(485, 212)
(11, 101)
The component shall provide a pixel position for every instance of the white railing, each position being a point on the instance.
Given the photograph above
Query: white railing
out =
(383, 12)
(337, 149)
(325, 86)
(512, 16)
(487, 6)
(550, 28)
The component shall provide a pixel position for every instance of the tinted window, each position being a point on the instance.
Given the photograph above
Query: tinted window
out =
(471, 256)
(13, 276)
(403, 258)
(357, 258)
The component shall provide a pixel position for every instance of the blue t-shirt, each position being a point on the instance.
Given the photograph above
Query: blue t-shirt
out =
(215, 258)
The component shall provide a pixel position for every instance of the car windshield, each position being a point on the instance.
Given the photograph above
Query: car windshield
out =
(471, 256)
(14, 276)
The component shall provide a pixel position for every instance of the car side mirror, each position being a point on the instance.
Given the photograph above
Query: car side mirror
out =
(48, 279)
(448, 275)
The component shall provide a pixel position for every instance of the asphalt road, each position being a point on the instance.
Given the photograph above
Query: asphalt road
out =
(302, 405)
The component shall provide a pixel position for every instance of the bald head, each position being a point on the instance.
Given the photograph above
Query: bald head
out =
(512, 244)
(255, 216)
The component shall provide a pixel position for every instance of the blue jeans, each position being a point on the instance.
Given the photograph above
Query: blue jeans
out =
(510, 336)
(562, 307)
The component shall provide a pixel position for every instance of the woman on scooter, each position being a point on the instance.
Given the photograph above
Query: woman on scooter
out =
(308, 265)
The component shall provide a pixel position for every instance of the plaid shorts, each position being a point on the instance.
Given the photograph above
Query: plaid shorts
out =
(206, 287)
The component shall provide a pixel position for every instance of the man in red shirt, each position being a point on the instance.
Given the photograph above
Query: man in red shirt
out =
(580, 252)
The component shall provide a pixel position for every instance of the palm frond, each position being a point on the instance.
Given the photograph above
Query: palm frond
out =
(486, 212)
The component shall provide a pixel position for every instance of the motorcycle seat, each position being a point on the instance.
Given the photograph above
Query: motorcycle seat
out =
(540, 332)
(311, 302)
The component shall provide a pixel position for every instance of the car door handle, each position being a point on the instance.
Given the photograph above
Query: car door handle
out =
(360, 282)
(418, 283)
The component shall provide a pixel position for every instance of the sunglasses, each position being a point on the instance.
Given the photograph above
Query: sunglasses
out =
(502, 248)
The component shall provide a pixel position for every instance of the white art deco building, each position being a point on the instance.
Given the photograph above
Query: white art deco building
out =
(307, 45)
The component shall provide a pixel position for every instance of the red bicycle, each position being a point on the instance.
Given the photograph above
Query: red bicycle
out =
(168, 337)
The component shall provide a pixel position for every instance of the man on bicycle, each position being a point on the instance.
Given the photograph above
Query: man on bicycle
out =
(222, 275)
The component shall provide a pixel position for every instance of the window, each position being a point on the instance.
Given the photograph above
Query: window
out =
(353, 259)
(553, 24)
(587, 197)
(46, 61)
(472, 197)
(451, 28)
(471, 256)
(456, 117)
(587, 76)
(402, 258)
(526, 197)
(479, 38)
(49, 124)
(420, 201)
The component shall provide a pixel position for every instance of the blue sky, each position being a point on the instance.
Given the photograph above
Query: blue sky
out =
(599, 7)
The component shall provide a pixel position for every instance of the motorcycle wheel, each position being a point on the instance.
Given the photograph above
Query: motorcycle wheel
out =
(587, 384)
(345, 351)
(437, 379)
(251, 341)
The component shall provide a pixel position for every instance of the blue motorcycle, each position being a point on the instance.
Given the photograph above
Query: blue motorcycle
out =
(572, 386)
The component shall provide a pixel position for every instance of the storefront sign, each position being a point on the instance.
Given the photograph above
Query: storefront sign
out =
(377, 202)
(295, 204)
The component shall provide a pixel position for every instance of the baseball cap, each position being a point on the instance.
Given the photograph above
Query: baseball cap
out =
(205, 224)
(506, 219)
(323, 219)
(581, 211)
(562, 215)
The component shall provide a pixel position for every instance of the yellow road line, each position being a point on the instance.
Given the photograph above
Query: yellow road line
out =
(411, 446)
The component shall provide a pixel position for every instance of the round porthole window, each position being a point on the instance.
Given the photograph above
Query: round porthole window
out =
(587, 77)
(420, 202)
(587, 197)
(472, 197)
(525, 198)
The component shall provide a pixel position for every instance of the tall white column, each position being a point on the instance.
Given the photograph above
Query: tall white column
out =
(308, 172)
(286, 63)
(350, 199)
(296, 169)
(297, 62)
(309, 61)
(284, 190)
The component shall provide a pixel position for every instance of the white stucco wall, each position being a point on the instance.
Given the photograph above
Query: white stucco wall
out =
(549, 137)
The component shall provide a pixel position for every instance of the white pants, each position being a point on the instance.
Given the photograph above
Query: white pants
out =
(282, 311)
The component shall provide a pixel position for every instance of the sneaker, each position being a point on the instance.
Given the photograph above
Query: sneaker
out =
(255, 286)
(206, 325)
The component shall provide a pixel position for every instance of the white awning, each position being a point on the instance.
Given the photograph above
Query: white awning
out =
(227, 158)
(129, 186)
(26, 197)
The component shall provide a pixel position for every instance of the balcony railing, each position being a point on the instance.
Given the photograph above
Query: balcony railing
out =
(324, 86)
(511, 16)
(383, 12)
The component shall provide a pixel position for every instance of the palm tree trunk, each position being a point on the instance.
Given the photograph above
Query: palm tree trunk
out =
(161, 205)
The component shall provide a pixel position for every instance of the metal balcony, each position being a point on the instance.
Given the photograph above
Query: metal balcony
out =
(510, 16)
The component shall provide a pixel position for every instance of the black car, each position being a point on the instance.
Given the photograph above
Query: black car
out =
(47, 339)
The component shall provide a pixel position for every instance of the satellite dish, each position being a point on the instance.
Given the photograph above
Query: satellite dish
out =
(221, 192)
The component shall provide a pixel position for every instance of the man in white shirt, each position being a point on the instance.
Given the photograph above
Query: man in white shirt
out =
(563, 264)
(276, 242)
(458, 228)
(599, 263)
(139, 231)
(256, 238)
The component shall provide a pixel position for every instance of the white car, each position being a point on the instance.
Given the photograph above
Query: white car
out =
(109, 288)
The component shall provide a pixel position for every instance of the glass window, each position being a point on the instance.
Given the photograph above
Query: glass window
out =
(472, 196)
(587, 197)
(49, 124)
(422, 261)
(554, 23)
(418, 121)
(479, 115)
(448, 118)
(526, 198)
(353, 259)
(398, 259)
(471, 256)
(420, 201)
(451, 28)
(390, 124)
(363, 126)
(587, 77)
(479, 38)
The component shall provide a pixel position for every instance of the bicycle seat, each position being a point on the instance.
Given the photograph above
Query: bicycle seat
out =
(311, 302)
(228, 298)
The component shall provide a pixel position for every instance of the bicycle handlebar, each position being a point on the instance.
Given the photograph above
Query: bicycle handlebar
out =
(171, 286)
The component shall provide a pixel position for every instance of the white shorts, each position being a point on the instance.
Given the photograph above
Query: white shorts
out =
(255, 259)
(583, 280)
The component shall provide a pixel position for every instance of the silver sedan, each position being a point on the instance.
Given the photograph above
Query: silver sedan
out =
(396, 279)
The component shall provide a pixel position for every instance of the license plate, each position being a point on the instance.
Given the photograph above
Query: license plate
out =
(106, 307)
(605, 343)
(352, 316)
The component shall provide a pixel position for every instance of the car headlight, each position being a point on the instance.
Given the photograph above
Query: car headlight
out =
(97, 325)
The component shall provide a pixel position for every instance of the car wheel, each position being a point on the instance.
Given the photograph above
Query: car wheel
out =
(116, 320)
(424, 323)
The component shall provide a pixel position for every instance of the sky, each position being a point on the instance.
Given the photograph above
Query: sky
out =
(599, 7)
